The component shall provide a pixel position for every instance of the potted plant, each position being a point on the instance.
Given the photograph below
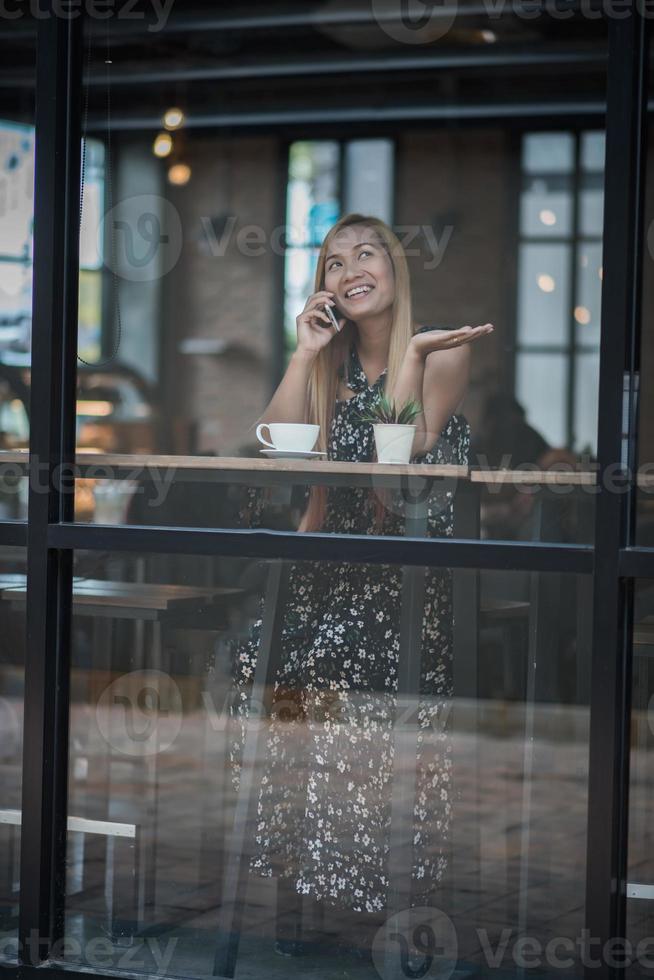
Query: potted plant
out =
(393, 428)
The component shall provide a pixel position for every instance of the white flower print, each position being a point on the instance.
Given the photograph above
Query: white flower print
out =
(340, 657)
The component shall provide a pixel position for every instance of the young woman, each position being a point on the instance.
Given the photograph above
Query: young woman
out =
(324, 802)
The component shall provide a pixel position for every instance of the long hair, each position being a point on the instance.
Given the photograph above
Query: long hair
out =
(323, 380)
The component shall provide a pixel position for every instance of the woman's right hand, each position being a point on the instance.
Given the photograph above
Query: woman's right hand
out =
(314, 328)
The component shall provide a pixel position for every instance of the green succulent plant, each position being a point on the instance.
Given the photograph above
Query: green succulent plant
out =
(385, 412)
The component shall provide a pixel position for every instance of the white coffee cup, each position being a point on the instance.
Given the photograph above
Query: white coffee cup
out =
(289, 436)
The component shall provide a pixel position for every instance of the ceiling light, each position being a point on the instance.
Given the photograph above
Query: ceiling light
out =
(173, 118)
(582, 314)
(179, 174)
(162, 145)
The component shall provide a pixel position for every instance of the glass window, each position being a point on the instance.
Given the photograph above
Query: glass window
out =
(543, 294)
(541, 381)
(168, 667)
(217, 212)
(548, 153)
(559, 285)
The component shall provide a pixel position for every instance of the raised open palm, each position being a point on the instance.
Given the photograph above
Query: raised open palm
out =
(435, 340)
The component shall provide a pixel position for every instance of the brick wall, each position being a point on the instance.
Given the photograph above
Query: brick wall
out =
(459, 183)
(220, 291)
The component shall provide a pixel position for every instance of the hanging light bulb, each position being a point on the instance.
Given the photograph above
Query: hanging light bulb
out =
(173, 118)
(163, 144)
(179, 174)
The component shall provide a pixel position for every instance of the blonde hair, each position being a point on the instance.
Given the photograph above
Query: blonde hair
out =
(323, 381)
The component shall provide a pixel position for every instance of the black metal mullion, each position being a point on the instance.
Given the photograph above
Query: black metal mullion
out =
(13, 534)
(49, 575)
(637, 563)
(611, 653)
(362, 548)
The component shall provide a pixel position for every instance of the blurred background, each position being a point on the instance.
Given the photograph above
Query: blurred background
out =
(225, 145)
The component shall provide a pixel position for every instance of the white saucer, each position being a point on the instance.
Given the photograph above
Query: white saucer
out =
(291, 453)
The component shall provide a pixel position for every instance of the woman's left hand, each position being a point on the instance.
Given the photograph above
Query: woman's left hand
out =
(435, 340)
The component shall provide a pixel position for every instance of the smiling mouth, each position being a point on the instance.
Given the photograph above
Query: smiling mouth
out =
(358, 292)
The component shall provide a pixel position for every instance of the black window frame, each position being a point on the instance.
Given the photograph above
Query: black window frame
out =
(50, 534)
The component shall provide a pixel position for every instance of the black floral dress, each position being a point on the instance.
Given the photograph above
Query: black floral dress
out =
(323, 817)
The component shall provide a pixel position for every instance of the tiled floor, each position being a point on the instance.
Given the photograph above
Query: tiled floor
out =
(517, 859)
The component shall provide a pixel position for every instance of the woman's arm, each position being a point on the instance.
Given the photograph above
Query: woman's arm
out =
(314, 332)
(446, 378)
(436, 371)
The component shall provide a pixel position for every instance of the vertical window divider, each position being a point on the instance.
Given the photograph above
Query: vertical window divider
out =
(606, 863)
(51, 491)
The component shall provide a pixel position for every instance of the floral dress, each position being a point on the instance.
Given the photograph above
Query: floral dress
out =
(323, 810)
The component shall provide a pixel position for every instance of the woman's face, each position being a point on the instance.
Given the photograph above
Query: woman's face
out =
(359, 272)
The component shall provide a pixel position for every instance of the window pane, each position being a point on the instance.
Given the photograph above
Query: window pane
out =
(543, 294)
(593, 148)
(546, 208)
(591, 205)
(548, 153)
(165, 684)
(586, 403)
(587, 310)
(541, 383)
(16, 187)
(369, 175)
(90, 247)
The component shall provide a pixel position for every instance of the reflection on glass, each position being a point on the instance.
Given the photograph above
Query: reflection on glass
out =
(164, 736)
(13, 570)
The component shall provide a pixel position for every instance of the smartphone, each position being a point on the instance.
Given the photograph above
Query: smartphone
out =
(330, 313)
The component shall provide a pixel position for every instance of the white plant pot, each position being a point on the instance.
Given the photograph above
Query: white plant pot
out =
(394, 442)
